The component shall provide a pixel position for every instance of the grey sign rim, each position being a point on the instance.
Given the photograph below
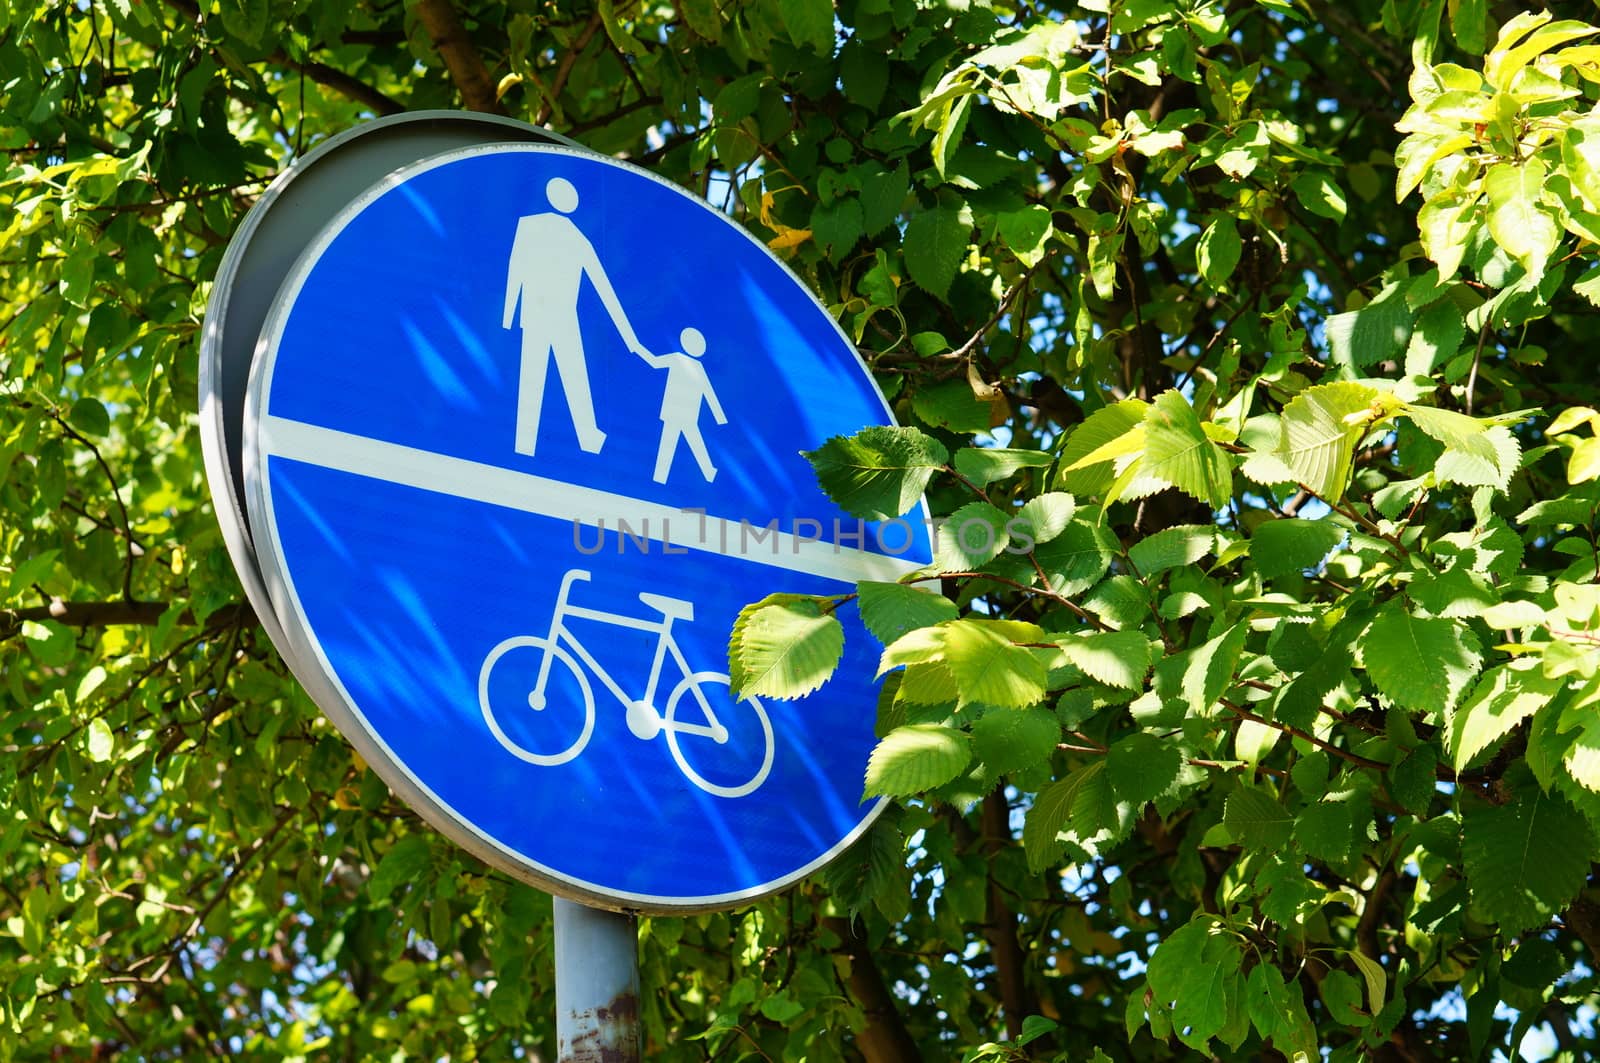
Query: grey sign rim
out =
(343, 710)
(221, 455)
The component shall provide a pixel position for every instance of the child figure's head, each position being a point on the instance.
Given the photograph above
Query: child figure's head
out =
(694, 344)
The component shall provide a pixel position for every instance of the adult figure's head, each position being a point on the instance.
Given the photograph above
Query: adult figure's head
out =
(694, 344)
(561, 194)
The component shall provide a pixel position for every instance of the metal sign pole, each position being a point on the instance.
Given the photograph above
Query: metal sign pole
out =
(597, 985)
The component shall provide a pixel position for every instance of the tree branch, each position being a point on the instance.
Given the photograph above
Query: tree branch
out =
(884, 1040)
(471, 77)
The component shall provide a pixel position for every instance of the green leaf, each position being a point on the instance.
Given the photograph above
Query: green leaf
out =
(1142, 767)
(1519, 224)
(1103, 427)
(1076, 559)
(973, 536)
(1377, 981)
(1469, 22)
(1115, 658)
(871, 867)
(404, 862)
(1320, 194)
(837, 227)
(989, 668)
(1081, 803)
(1009, 740)
(1211, 668)
(984, 465)
(1437, 337)
(88, 415)
(1503, 698)
(880, 472)
(1257, 820)
(1319, 432)
(809, 23)
(784, 646)
(1487, 460)
(100, 740)
(1178, 451)
(701, 16)
(935, 243)
(1043, 518)
(1421, 664)
(1292, 544)
(1026, 232)
(891, 609)
(1174, 547)
(1446, 224)
(1375, 333)
(1526, 858)
(915, 758)
(883, 193)
(1217, 253)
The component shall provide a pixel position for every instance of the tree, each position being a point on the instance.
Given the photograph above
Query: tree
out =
(1260, 713)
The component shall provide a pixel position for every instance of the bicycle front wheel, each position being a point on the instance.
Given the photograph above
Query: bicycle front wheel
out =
(721, 745)
(546, 725)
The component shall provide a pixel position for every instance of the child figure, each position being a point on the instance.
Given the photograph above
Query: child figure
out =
(687, 387)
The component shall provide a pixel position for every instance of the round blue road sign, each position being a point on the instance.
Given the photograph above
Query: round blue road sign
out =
(522, 437)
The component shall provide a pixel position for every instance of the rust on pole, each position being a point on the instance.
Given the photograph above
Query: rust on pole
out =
(597, 985)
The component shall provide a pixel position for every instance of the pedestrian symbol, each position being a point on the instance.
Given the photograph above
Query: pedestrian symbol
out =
(519, 581)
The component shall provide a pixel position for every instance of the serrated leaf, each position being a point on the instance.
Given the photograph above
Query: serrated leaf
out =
(784, 646)
(891, 609)
(1291, 544)
(1487, 460)
(1044, 517)
(1098, 430)
(1178, 451)
(1320, 428)
(1437, 336)
(935, 243)
(1009, 740)
(984, 465)
(1075, 560)
(1421, 664)
(1115, 658)
(929, 683)
(989, 667)
(880, 472)
(1503, 698)
(1081, 803)
(1527, 858)
(1174, 547)
(1142, 767)
(915, 758)
(1257, 820)
(1211, 668)
(1375, 333)
(971, 537)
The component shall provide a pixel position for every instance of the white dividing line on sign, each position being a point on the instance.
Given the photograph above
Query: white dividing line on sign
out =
(442, 474)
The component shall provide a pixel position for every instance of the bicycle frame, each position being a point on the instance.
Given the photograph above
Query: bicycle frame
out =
(662, 629)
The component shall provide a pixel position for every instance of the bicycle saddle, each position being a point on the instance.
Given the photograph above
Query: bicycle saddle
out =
(676, 608)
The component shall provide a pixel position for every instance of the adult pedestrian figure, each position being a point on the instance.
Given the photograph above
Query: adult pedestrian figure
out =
(687, 387)
(549, 259)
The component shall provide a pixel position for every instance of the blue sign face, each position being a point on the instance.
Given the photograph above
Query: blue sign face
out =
(524, 437)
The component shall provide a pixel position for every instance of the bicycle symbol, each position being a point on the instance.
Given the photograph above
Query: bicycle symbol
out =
(706, 741)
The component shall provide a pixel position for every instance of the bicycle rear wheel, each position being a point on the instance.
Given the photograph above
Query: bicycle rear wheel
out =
(547, 727)
(734, 767)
